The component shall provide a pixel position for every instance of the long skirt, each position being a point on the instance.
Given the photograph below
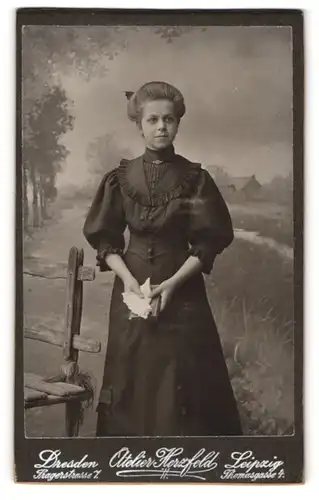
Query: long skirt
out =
(166, 376)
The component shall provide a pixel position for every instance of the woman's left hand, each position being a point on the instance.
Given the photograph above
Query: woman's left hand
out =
(165, 290)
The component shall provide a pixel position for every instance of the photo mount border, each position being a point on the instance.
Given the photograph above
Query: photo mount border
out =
(26, 450)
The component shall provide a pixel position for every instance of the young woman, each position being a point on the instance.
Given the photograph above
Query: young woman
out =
(163, 377)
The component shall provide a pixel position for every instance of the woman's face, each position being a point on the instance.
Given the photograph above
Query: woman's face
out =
(159, 124)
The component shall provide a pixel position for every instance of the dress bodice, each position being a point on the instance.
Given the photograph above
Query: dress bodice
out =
(170, 200)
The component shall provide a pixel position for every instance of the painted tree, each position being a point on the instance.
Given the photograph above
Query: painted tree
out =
(220, 175)
(280, 189)
(48, 120)
(103, 152)
(46, 53)
(86, 50)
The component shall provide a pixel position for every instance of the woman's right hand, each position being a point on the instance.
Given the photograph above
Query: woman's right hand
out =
(132, 285)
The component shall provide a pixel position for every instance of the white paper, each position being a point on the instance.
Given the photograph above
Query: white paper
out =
(139, 307)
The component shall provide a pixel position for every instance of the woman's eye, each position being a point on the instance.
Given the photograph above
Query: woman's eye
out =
(152, 119)
(169, 119)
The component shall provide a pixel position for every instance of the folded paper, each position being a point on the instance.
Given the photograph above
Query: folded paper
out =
(139, 306)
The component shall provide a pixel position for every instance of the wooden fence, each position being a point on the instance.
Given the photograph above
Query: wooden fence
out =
(71, 387)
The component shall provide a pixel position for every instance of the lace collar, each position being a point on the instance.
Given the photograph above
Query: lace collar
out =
(179, 181)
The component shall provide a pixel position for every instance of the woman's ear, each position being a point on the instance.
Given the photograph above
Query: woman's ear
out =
(139, 128)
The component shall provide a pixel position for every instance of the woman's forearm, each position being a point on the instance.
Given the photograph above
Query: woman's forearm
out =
(117, 264)
(190, 267)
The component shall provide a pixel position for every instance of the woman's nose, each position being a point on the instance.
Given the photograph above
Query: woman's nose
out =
(161, 125)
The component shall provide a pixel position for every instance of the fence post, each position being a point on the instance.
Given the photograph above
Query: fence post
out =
(73, 315)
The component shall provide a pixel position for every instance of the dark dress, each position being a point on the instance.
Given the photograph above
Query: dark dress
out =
(164, 377)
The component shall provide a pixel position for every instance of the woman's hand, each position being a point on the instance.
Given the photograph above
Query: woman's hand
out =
(132, 285)
(165, 290)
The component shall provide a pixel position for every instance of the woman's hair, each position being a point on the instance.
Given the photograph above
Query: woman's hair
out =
(154, 91)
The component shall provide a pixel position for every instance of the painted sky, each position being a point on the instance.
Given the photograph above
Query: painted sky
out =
(237, 84)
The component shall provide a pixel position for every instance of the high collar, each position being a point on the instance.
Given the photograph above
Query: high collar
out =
(160, 156)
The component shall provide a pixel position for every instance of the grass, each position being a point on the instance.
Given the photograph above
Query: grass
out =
(271, 221)
(251, 294)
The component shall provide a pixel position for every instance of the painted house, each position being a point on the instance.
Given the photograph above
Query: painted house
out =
(241, 188)
(247, 185)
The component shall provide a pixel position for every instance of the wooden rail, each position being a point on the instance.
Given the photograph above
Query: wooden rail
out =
(35, 398)
(55, 337)
(71, 387)
(84, 273)
(38, 383)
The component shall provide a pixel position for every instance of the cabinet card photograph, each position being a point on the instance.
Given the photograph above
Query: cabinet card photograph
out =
(159, 246)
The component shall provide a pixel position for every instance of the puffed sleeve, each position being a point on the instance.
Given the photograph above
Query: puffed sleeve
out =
(210, 230)
(105, 222)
